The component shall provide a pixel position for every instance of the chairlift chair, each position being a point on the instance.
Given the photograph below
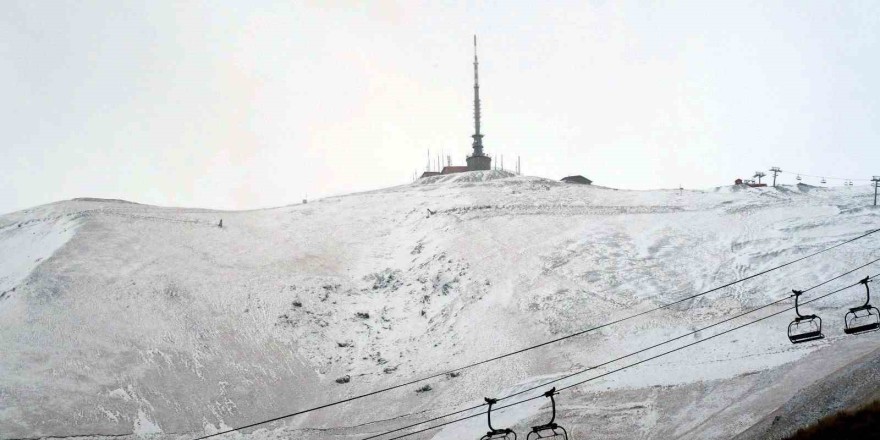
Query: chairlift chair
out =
(804, 328)
(823, 180)
(863, 319)
(496, 434)
(550, 430)
(798, 177)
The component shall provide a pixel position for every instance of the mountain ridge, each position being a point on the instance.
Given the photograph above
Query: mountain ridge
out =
(153, 320)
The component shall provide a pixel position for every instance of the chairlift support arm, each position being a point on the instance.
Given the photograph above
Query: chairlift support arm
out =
(489, 413)
(797, 295)
(552, 392)
(867, 292)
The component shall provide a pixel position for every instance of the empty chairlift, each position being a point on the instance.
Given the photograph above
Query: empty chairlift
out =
(862, 319)
(496, 434)
(550, 430)
(804, 328)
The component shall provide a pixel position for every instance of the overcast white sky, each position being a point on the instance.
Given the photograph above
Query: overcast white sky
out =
(243, 105)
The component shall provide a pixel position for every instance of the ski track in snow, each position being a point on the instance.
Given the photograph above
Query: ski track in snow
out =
(120, 319)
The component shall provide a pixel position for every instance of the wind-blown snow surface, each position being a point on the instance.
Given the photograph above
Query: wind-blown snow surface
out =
(118, 318)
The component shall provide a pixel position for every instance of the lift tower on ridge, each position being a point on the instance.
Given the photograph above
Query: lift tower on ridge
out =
(758, 175)
(876, 180)
(775, 171)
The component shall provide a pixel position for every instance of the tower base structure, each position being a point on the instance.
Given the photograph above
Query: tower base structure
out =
(479, 163)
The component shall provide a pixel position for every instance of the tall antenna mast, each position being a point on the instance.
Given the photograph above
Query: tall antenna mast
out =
(478, 137)
(478, 160)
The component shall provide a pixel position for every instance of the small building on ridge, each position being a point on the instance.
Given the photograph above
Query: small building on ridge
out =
(581, 180)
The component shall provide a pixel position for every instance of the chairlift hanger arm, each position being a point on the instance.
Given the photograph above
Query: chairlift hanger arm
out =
(550, 394)
(489, 412)
(867, 291)
(797, 295)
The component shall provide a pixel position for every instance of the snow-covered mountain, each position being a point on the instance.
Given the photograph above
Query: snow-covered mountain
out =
(124, 319)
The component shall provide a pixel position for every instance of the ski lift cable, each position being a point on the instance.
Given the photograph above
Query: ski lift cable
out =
(788, 309)
(630, 365)
(532, 347)
(571, 374)
(823, 177)
(579, 372)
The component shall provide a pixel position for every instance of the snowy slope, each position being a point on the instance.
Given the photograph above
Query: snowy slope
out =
(119, 318)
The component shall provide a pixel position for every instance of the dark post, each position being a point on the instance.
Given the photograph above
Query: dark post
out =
(876, 181)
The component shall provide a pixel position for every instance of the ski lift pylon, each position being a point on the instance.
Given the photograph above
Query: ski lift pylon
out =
(862, 319)
(804, 328)
(496, 434)
(549, 430)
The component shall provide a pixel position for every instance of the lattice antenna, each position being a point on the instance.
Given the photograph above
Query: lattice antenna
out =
(478, 137)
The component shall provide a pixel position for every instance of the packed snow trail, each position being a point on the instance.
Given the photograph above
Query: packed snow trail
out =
(154, 319)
